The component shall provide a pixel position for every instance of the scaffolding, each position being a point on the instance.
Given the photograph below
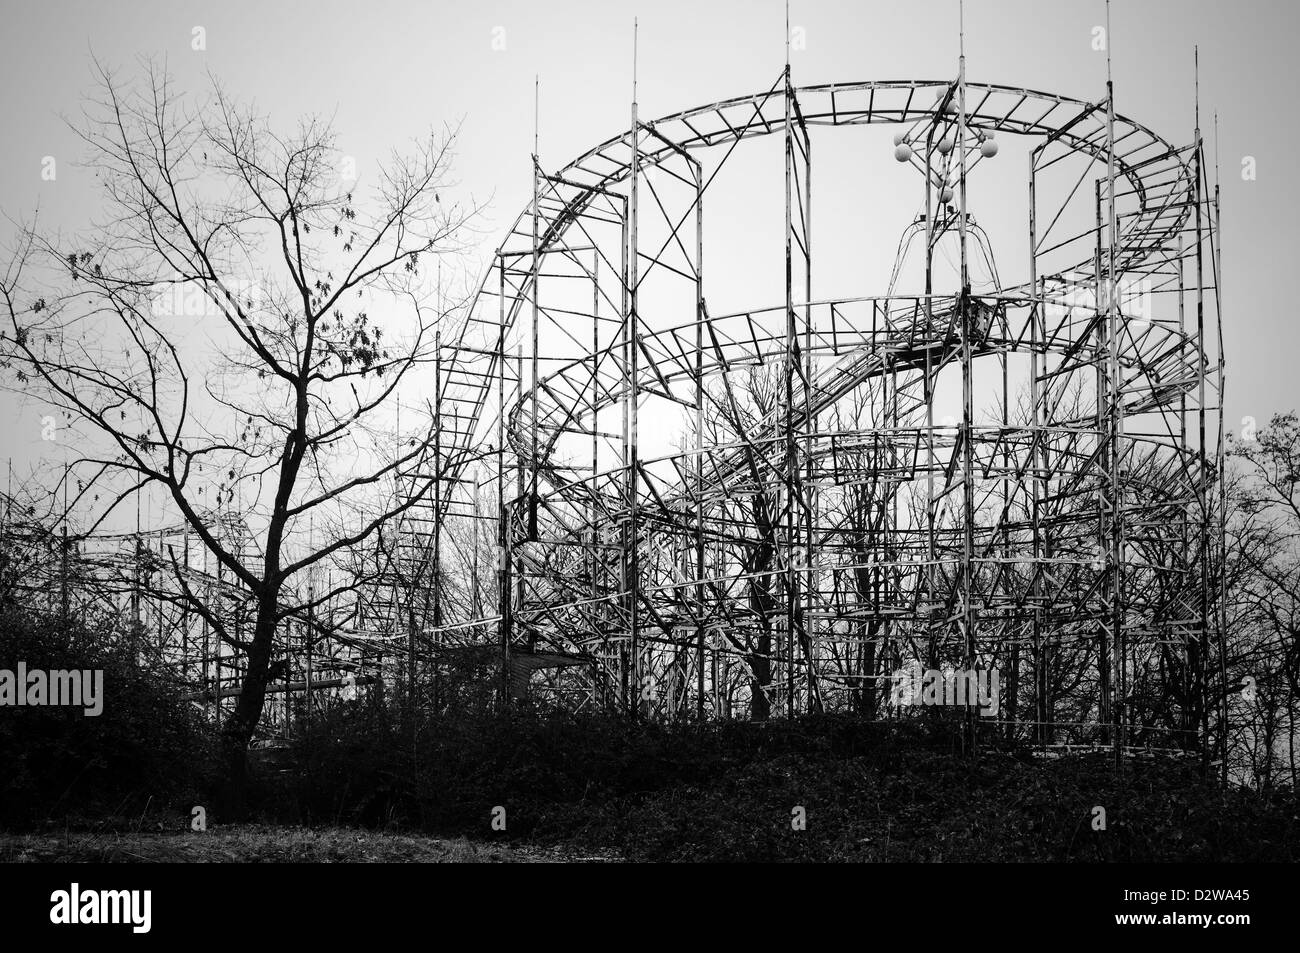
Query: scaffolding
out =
(812, 534)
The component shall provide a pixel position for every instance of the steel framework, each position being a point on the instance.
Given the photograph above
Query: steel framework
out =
(816, 525)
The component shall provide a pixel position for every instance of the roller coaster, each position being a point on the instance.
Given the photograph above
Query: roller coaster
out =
(765, 511)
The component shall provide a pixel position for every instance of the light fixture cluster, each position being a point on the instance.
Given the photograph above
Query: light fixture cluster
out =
(988, 146)
(946, 105)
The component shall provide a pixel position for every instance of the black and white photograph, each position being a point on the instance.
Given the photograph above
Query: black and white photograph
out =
(608, 434)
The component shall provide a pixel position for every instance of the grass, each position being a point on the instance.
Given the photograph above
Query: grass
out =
(259, 844)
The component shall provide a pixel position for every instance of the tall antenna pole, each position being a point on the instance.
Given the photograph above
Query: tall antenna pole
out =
(630, 338)
(1108, 77)
(1202, 462)
(1114, 418)
(1216, 247)
(504, 556)
(537, 272)
(1196, 89)
(967, 372)
(438, 503)
(789, 577)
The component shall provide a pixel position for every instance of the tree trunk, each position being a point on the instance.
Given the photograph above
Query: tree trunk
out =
(240, 726)
(760, 664)
(761, 557)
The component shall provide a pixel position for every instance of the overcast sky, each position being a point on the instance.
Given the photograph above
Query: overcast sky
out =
(387, 71)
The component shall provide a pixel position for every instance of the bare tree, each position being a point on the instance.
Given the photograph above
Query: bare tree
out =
(1264, 576)
(231, 335)
(743, 407)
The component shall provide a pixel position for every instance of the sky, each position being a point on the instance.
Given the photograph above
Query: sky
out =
(387, 71)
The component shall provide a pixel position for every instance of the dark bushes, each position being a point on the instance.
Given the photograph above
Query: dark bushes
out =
(146, 751)
(869, 792)
(894, 791)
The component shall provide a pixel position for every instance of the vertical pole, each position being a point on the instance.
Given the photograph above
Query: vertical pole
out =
(135, 586)
(1038, 474)
(63, 558)
(307, 642)
(162, 647)
(186, 638)
(1202, 461)
(810, 428)
(625, 443)
(437, 496)
(1189, 718)
(594, 556)
(931, 542)
(699, 443)
(1101, 420)
(503, 555)
(536, 278)
(968, 404)
(1115, 422)
(410, 651)
(1216, 247)
(1013, 651)
(791, 450)
(209, 683)
(534, 461)
(631, 335)
(517, 570)
(476, 597)
(791, 447)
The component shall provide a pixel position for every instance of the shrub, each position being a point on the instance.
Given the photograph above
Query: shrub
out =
(145, 751)
(895, 791)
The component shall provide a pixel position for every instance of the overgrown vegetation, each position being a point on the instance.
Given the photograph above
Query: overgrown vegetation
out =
(595, 784)
(145, 749)
(727, 792)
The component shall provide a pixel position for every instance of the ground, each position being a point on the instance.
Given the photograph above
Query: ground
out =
(257, 844)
